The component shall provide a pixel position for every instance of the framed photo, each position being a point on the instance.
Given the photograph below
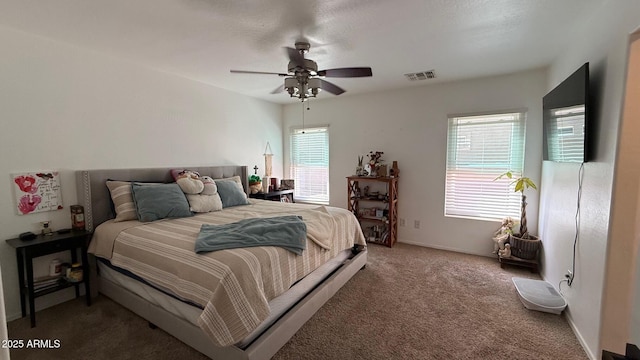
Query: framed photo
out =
(286, 184)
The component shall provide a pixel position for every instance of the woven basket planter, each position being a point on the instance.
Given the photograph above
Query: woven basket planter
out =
(524, 248)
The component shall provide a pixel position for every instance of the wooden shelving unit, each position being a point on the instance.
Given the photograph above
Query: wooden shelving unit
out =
(381, 226)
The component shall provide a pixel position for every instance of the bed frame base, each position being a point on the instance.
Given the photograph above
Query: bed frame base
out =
(267, 344)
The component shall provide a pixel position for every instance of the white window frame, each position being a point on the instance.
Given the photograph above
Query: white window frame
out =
(300, 166)
(480, 147)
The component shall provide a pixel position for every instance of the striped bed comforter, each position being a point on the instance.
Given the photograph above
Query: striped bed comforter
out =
(232, 286)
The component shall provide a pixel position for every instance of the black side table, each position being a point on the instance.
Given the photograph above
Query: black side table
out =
(26, 250)
(274, 195)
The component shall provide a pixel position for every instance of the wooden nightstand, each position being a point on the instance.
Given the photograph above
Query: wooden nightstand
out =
(275, 195)
(27, 250)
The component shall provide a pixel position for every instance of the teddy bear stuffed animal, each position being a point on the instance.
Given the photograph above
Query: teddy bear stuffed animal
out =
(189, 182)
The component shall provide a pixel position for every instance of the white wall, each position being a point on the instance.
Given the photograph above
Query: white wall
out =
(410, 126)
(602, 42)
(65, 108)
(620, 276)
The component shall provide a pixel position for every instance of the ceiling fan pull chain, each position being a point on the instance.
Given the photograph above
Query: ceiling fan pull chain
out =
(302, 102)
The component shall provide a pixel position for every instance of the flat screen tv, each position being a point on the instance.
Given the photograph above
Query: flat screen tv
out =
(566, 119)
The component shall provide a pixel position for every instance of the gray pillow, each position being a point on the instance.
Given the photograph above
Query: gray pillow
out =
(159, 201)
(231, 193)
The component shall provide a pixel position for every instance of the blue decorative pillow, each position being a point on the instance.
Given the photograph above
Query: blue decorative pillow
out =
(231, 193)
(159, 201)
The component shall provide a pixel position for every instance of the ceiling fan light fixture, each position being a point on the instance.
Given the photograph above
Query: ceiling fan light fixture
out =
(303, 79)
(315, 86)
(291, 85)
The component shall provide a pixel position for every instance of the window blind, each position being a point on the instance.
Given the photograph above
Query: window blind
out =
(310, 164)
(479, 149)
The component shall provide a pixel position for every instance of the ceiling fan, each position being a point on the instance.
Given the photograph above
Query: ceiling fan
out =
(303, 79)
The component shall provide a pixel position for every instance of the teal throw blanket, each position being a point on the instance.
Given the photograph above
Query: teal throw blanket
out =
(289, 232)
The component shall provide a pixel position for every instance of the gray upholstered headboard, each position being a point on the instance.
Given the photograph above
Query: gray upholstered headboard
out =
(94, 195)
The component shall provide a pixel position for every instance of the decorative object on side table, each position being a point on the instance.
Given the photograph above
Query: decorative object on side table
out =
(255, 184)
(77, 217)
(268, 159)
(287, 184)
(523, 244)
(46, 229)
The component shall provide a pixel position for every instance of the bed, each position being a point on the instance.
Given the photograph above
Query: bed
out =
(275, 302)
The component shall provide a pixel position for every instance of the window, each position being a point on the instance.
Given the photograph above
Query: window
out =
(479, 149)
(310, 164)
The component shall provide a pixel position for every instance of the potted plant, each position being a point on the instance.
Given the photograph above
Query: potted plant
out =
(255, 184)
(523, 244)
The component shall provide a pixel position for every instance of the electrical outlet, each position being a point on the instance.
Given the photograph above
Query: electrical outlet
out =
(402, 222)
(416, 224)
(569, 277)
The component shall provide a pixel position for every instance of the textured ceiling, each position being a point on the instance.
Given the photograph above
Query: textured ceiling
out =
(204, 39)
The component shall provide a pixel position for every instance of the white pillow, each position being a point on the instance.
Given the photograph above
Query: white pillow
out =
(204, 203)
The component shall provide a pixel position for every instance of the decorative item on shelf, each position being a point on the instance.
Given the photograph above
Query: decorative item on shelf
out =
(273, 186)
(55, 267)
(381, 170)
(360, 171)
(287, 184)
(375, 159)
(46, 229)
(255, 184)
(523, 245)
(77, 217)
(74, 273)
(394, 171)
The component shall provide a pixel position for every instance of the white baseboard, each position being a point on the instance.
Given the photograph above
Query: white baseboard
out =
(578, 335)
(445, 248)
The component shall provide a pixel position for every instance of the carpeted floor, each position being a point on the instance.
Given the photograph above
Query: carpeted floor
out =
(408, 303)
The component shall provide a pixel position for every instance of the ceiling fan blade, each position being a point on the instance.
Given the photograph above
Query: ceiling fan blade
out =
(295, 56)
(347, 72)
(257, 72)
(332, 88)
(278, 90)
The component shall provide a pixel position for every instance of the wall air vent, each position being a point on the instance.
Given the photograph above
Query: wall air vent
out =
(424, 75)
